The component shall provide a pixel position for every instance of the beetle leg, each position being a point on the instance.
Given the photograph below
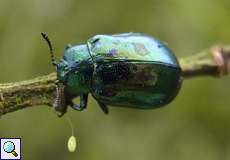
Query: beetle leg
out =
(83, 103)
(60, 100)
(104, 107)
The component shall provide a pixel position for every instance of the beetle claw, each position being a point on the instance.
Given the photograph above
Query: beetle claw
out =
(104, 107)
(82, 105)
(77, 107)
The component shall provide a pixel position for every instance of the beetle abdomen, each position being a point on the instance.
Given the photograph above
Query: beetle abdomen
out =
(133, 70)
(135, 84)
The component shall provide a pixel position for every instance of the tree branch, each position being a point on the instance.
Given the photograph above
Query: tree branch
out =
(212, 62)
(40, 91)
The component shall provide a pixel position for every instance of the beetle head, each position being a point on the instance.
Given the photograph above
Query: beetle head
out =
(62, 71)
(65, 68)
(74, 69)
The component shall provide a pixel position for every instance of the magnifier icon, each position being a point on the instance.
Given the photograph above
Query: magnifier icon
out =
(9, 147)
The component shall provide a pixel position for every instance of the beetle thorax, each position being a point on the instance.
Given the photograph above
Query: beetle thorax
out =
(75, 69)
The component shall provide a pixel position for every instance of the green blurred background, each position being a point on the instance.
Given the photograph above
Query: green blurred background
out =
(195, 126)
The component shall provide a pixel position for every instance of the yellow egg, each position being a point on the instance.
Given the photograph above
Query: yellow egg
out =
(72, 144)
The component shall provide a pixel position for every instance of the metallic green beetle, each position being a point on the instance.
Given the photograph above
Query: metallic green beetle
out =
(127, 70)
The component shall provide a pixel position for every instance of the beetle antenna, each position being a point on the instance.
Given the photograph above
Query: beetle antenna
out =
(46, 38)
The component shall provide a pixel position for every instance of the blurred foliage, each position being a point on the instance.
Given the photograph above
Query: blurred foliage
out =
(194, 126)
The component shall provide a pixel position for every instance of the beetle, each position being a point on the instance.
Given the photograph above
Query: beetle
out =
(127, 70)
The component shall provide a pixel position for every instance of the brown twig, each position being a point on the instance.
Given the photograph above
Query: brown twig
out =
(40, 90)
(212, 62)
